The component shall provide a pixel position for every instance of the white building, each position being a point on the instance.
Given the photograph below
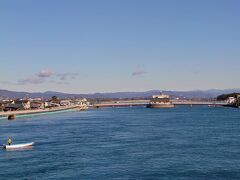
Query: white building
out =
(231, 100)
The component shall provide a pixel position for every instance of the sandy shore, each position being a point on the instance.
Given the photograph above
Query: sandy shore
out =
(22, 112)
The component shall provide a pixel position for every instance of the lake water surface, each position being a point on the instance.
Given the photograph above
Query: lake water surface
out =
(125, 143)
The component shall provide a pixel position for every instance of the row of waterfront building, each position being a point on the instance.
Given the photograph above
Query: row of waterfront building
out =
(38, 103)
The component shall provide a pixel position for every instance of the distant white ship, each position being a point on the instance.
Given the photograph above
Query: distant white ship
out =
(160, 101)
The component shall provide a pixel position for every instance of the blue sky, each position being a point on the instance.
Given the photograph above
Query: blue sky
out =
(128, 45)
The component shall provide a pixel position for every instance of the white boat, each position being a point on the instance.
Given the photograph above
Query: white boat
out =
(18, 146)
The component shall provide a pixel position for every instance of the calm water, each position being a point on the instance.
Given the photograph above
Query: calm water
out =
(125, 143)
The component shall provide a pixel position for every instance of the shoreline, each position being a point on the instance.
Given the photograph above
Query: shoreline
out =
(36, 111)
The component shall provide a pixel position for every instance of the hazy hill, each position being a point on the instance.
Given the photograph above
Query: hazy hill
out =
(212, 93)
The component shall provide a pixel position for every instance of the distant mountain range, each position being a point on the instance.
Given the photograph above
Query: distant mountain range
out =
(212, 93)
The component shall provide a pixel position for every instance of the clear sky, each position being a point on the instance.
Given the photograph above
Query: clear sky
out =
(128, 45)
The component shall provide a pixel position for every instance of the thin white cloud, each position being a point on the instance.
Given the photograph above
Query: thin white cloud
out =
(46, 75)
(30, 80)
(59, 82)
(138, 73)
(7, 82)
(66, 76)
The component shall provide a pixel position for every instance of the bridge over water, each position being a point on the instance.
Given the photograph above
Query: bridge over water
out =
(145, 102)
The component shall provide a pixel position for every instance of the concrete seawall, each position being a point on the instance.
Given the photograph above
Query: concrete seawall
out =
(37, 111)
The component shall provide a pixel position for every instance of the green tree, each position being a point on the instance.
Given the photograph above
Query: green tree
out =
(226, 96)
(54, 98)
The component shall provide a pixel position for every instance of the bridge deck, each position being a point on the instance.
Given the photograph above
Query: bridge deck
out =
(145, 102)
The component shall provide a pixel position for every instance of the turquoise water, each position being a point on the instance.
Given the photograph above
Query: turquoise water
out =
(125, 143)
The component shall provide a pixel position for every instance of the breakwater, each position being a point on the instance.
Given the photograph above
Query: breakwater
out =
(36, 111)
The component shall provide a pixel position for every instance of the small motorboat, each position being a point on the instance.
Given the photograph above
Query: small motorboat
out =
(18, 146)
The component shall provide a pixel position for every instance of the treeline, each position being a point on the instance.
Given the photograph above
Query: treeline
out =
(224, 97)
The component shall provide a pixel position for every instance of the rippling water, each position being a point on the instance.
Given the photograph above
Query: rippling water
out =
(125, 143)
